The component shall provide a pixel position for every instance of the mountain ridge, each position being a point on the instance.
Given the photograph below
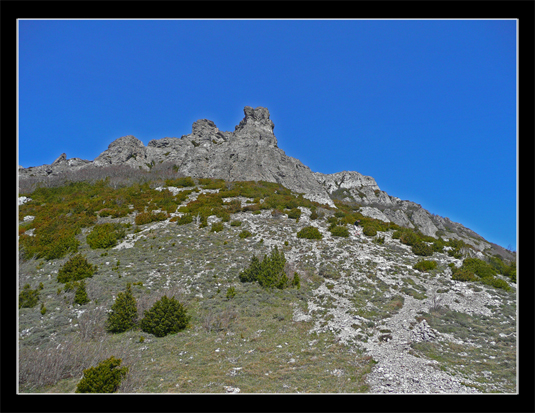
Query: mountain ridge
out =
(251, 152)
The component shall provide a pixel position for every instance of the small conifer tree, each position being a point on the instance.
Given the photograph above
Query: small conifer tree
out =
(296, 282)
(167, 316)
(269, 272)
(123, 314)
(75, 269)
(28, 298)
(104, 378)
(80, 296)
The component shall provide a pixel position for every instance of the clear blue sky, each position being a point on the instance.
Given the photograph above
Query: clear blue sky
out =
(426, 107)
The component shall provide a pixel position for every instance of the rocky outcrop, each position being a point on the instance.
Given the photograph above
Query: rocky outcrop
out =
(423, 222)
(346, 180)
(373, 213)
(248, 153)
(125, 150)
(251, 152)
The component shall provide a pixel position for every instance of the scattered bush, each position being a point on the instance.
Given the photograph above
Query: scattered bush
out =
(75, 269)
(123, 315)
(80, 296)
(295, 213)
(217, 227)
(27, 297)
(148, 217)
(235, 223)
(479, 267)
(167, 316)
(339, 231)
(425, 266)
(185, 219)
(231, 293)
(296, 281)
(369, 231)
(438, 245)
(104, 378)
(463, 274)
(496, 283)
(268, 273)
(105, 235)
(180, 182)
(457, 246)
(310, 233)
(422, 249)
(244, 234)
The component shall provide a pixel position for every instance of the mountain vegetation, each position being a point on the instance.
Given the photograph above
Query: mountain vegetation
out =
(121, 271)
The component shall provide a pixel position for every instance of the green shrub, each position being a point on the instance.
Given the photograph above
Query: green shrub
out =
(244, 234)
(314, 215)
(27, 297)
(268, 273)
(310, 233)
(43, 309)
(409, 237)
(185, 219)
(180, 182)
(425, 266)
(75, 269)
(295, 213)
(496, 283)
(479, 267)
(422, 249)
(231, 293)
(339, 231)
(148, 217)
(166, 316)
(105, 235)
(438, 245)
(456, 247)
(217, 226)
(80, 296)
(123, 315)
(369, 230)
(463, 274)
(296, 281)
(104, 378)
(235, 223)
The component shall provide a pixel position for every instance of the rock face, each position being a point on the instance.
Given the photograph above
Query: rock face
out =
(251, 152)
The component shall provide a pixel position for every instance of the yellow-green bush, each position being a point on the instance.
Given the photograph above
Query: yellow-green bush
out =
(339, 231)
(105, 235)
(425, 265)
(148, 217)
(310, 233)
(106, 377)
(422, 249)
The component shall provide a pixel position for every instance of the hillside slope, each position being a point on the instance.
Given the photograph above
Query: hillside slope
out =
(363, 319)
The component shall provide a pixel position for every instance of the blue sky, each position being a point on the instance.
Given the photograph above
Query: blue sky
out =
(426, 107)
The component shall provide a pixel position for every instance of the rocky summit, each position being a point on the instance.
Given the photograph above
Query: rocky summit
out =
(215, 263)
(251, 153)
